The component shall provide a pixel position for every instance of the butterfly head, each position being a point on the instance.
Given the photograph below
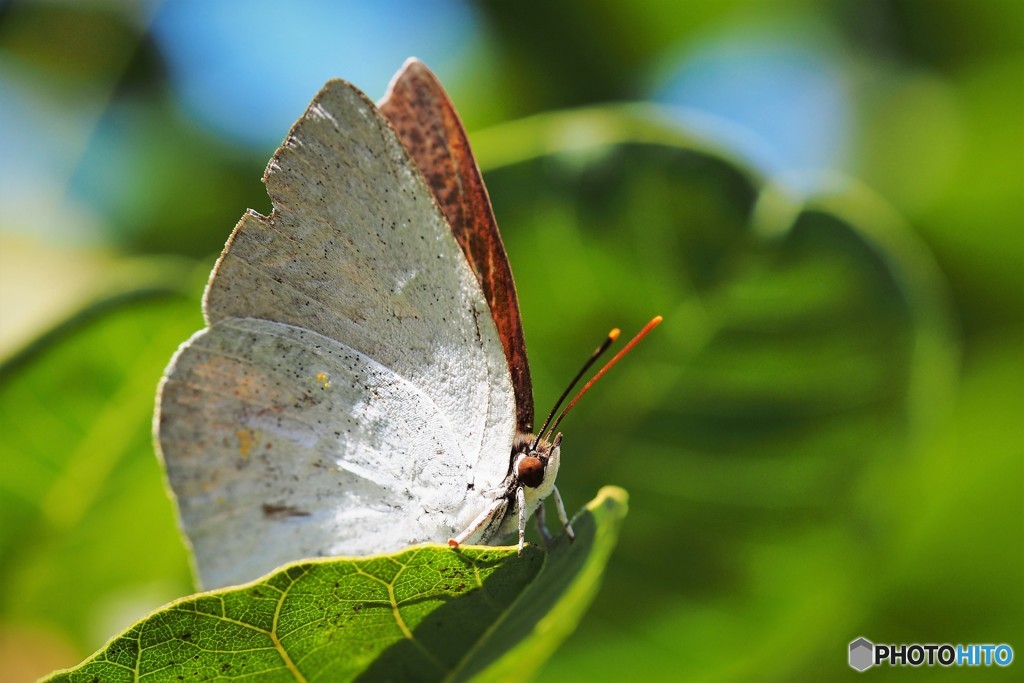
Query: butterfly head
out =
(535, 461)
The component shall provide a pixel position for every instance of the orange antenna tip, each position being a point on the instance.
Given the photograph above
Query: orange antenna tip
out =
(607, 366)
(614, 334)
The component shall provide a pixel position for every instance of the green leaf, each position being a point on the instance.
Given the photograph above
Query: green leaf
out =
(426, 613)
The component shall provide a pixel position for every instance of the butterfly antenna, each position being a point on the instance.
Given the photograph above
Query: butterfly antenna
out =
(607, 366)
(608, 341)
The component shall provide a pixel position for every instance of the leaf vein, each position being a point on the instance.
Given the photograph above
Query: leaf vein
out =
(285, 656)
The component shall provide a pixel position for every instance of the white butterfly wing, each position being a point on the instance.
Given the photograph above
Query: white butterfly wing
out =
(288, 444)
(356, 279)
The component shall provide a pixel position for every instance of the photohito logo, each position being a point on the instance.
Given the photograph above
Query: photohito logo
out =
(864, 654)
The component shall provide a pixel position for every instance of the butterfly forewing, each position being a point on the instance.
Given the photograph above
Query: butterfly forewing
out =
(356, 253)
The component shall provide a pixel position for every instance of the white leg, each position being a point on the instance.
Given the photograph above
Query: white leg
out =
(542, 526)
(521, 504)
(564, 518)
(478, 523)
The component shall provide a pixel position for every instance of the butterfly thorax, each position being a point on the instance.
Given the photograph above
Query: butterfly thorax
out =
(530, 480)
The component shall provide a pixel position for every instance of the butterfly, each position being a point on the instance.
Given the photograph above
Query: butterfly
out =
(361, 384)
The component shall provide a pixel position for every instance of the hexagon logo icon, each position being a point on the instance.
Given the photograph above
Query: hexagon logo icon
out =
(862, 654)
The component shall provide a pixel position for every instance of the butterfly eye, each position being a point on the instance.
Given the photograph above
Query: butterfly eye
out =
(531, 471)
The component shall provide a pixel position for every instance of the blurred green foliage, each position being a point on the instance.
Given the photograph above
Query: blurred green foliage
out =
(822, 441)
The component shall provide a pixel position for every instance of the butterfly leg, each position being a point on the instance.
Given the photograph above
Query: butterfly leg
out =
(495, 509)
(521, 504)
(542, 527)
(564, 518)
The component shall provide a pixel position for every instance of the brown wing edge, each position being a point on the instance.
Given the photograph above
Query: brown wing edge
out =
(422, 114)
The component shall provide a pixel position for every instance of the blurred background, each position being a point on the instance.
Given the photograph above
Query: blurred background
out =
(822, 197)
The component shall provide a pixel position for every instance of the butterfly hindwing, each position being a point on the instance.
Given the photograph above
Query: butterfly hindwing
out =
(281, 439)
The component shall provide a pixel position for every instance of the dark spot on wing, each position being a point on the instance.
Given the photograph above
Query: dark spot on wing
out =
(280, 511)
